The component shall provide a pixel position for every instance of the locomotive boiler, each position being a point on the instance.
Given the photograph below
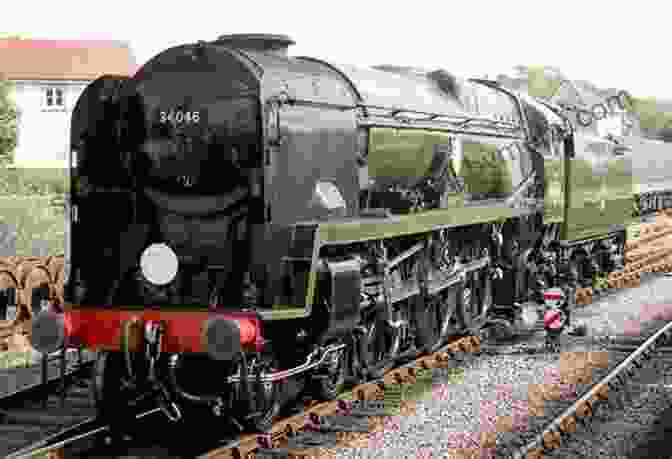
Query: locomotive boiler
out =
(247, 226)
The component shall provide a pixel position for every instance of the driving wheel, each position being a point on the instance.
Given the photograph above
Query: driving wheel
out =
(476, 301)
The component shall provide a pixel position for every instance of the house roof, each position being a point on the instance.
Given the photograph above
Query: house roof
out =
(64, 59)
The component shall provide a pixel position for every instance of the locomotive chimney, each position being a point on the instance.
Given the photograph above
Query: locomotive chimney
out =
(275, 44)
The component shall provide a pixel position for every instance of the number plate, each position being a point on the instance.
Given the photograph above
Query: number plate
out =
(180, 117)
(11, 313)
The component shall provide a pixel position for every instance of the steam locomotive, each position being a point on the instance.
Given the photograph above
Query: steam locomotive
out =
(247, 227)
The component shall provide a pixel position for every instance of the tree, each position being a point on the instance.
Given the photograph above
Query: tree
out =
(8, 113)
(8, 123)
(544, 82)
(649, 115)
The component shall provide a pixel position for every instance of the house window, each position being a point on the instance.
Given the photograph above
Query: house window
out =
(54, 97)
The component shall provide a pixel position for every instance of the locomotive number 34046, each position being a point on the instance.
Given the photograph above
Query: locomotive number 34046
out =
(179, 116)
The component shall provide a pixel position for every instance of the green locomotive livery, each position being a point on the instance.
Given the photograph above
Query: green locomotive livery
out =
(288, 222)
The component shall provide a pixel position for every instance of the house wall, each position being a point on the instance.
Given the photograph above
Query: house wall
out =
(44, 132)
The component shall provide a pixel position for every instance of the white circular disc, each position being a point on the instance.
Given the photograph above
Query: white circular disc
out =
(159, 264)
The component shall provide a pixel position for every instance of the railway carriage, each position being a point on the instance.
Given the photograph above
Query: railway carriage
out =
(247, 226)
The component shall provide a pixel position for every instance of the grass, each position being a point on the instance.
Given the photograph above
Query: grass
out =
(15, 359)
(32, 181)
(422, 388)
(25, 196)
(33, 221)
(633, 231)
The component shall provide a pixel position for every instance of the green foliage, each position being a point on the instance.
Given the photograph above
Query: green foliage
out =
(15, 359)
(34, 219)
(27, 201)
(8, 123)
(650, 117)
(633, 230)
(8, 113)
(600, 281)
(31, 182)
(12, 36)
(541, 85)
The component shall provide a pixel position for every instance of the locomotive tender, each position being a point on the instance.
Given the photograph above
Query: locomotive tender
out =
(247, 226)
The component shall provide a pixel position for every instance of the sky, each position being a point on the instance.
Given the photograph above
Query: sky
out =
(612, 44)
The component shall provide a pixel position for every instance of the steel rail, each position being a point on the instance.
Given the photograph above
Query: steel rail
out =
(644, 351)
(87, 429)
(405, 373)
(33, 391)
(30, 391)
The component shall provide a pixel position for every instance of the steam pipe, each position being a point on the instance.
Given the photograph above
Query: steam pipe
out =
(174, 363)
(307, 365)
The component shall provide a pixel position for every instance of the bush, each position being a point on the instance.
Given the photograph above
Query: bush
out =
(30, 182)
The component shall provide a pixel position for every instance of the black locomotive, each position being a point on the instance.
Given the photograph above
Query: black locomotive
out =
(248, 226)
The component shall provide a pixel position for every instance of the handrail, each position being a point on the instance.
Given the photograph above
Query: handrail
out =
(395, 113)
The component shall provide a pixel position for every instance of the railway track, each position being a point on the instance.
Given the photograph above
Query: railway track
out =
(604, 381)
(650, 253)
(90, 438)
(293, 435)
(315, 433)
(85, 438)
(44, 377)
(54, 416)
(42, 398)
(368, 403)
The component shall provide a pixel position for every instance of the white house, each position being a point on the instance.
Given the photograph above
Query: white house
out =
(48, 77)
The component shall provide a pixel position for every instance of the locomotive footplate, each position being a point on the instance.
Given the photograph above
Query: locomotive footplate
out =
(616, 235)
(615, 231)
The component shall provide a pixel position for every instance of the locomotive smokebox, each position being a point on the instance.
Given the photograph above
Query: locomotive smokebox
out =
(269, 43)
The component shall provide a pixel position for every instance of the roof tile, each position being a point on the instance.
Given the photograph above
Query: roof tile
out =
(64, 59)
